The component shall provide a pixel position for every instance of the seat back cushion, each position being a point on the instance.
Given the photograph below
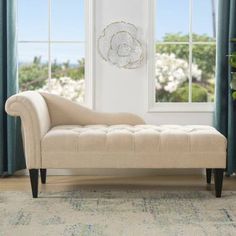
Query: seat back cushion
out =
(65, 112)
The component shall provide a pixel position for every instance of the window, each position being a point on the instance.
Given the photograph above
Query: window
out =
(183, 68)
(51, 47)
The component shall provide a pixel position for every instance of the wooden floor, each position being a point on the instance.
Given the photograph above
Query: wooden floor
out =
(68, 183)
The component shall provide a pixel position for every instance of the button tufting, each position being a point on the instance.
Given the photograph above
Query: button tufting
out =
(139, 138)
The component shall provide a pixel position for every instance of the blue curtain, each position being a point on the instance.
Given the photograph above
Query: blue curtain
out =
(225, 112)
(11, 151)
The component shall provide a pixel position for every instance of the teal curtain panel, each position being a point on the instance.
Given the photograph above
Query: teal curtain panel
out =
(225, 110)
(11, 151)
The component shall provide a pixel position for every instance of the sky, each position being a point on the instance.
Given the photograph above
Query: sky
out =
(67, 23)
(172, 16)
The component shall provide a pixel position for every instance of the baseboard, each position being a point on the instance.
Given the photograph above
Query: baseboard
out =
(119, 172)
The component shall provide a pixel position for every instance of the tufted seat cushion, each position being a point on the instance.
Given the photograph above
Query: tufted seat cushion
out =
(126, 146)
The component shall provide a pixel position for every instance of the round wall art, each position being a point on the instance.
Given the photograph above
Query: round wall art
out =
(119, 45)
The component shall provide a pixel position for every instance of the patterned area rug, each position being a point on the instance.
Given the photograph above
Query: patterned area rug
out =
(118, 212)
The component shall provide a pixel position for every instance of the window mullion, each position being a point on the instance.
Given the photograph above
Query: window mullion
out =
(190, 49)
(52, 41)
(49, 46)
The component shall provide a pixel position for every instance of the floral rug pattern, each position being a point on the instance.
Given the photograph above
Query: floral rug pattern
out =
(118, 212)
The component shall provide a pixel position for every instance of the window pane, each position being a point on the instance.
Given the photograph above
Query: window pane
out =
(33, 19)
(204, 20)
(203, 82)
(172, 20)
(68, 20)
(33, 65)
(172, 73)
(68, 71)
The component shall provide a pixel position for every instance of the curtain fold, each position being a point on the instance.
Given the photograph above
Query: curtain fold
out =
(225, 110)
(11, 149)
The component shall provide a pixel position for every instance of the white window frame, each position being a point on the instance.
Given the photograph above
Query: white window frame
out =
(154, 106)
(89, 45)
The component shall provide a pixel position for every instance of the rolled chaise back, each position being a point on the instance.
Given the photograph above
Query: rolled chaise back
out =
(65, 112)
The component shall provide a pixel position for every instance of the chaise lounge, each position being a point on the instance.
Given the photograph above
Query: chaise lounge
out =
(58, 133)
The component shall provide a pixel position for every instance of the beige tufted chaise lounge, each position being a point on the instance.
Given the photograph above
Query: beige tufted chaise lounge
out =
(58, 133)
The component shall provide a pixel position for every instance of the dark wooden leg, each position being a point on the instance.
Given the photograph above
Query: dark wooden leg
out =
(218, 176)
(43, 175)
(34, 174)
(208, 175)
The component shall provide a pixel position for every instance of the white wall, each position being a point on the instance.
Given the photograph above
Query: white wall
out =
(126, 90)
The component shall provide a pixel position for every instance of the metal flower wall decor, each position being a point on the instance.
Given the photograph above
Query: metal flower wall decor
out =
(119, 45)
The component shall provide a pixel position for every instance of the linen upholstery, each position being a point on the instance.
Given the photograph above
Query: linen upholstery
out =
(33, 111)
(59, 133)
(64, 112)
(139, 146)
(40, 112)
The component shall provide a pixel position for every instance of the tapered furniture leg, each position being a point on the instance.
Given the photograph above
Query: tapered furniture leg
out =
(208, 175)
(218, 176)
(43, 175)
(34, 174)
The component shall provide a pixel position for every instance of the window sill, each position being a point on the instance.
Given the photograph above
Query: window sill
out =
(182, 108)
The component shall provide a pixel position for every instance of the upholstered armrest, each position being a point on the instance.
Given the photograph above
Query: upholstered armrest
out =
(65, 112)
(33, 111)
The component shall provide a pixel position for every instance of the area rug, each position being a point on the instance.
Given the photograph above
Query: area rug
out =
(118, 212)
